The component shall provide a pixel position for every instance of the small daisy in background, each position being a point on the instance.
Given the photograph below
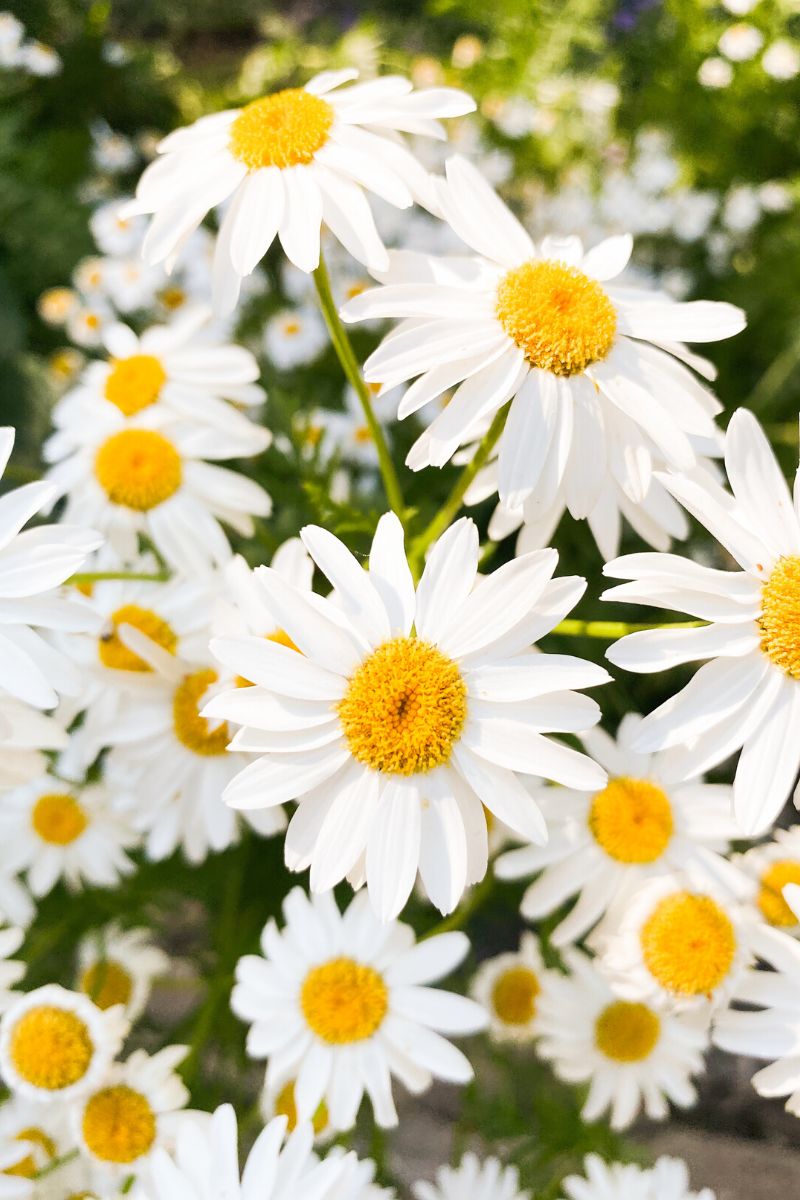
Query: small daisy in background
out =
(508, 987)
(772, 865)
(472, 1179)
(43, 1131)
(119, 966)
(294, 337)
(342, 1003)
(346, 433)
(667, 1180)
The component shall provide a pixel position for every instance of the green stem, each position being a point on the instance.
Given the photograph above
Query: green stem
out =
(349, 363)
(99, 576)
(611, 630)
(56, 1163)
(775, 378)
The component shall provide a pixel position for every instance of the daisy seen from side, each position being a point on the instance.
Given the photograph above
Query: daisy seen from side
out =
(772, 866)
(472, 1179)
(119, 966)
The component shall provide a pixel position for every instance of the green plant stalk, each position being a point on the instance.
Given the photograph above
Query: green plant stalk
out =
(616, 629)
(349, 363)
(99, 576)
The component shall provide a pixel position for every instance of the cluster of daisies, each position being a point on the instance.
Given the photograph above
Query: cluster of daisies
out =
(393, 717)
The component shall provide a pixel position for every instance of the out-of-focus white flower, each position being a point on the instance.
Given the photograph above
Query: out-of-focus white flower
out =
(118, 966)
(741, 42)
(781, 60)
(111, 152)
(39, 59)
(115, 233)
(508, 986)
(86, 323)
(294, 337)
(775, 197)
(516, 117)
(472, 1179)
(56, 305)
(742, 209)
(715, 73)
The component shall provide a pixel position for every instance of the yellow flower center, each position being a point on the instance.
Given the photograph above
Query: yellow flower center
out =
(343, 1001)
(688, 944)
(59, 818)
(135, 383)
(631, 819)
(770, 897)
(138, 468)
(626, 1032)
(562, 319)
(119, 1125)
(115, 654)
(283, 130)
(30, 1164)
(172, 298)
(285, 1107)
(404, 708)
(50, 1047)
(780, 616)
(107, 983)
(514, 996)
(192, 730)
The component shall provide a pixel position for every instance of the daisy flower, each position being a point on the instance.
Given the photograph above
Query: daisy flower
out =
(472, 1179)
(594, 372)
(508, 987)
(56, 1045)
(53, 829)
(41, 1132)
(136, 1109)
(773, 1032)
(340, 1002)
(346, 433)
(748, 694)
(631, 1055)
(24, 735)
(289, 162)
(205, 1163)
(648, 820)
(676, 948)
(390, 739)
(359, 1181)
(667, 1180)
(294, 337)
(118, 966)
(147, 475)
(33, 563)
(772, 866)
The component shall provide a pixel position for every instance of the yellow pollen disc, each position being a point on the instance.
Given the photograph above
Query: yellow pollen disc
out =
(514, 996)
(688, 944)
(192, 730)
(138, 468)
(172, 297)
(631, 819)
(780, 616)
(404, 708)
(115, 654)
(343, 1001)
(135, 383)
(770, 897)
(58, 818)
(119, 1125)
(106, 983)
(50, 1047)
(362, 435)
(562, 319)
(282, 130)
(627, 1032)
(286, 1107)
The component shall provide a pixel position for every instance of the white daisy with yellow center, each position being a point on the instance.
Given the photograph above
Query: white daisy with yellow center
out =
(341, 1003)
(119, 966)
(594, 392)
(294, 337)
(55, 1045)
(33, 564)
(156, 476)
(278, 1100)
(36, 1136)
(668, 1179)
(748, 695)
(345, 433)
(773, 866)
(289, 162)
(632, 1055)
(54, 829)
(508, 987)
(648, 820)
(472, 1178)
(411, 706)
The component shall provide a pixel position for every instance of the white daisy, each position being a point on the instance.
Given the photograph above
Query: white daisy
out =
(11, 971)
(52, 829)
(55, 305)
(146, 475)
(56, 1045)
(24, 735)
(41, 1131)
(118, 966)
(135, 1110)
(667, 1180)
(341, 1003)
(294, 337)
(772, 866)
(390, 739)
(630, 1054)
(648, 820)
(594, 373)
(290, 161)
(113, 232)
(358, 1183)
(472, 1179)
(508, 988)
(347, 433)
(748, 694)
(86, 323)
(33, 563)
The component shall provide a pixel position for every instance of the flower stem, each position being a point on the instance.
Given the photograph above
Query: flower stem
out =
(616, 629)
(99, 576)
(349, 363)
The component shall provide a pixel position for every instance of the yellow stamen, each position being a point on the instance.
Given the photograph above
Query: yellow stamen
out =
(50, 1047)
(514, 995)
(343, 1001)
(627, 1032)
(562, 319)
(106, 983)
(283, 130)
(59, 818)
(135, 383)
(404, 708)
(688, 944)
(780, 616)
(285, 1107)
(632, 820)
(115, 654)
(119, 1124)
(172, 298)
(138, 468)
(770, 897)
(192, 730)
